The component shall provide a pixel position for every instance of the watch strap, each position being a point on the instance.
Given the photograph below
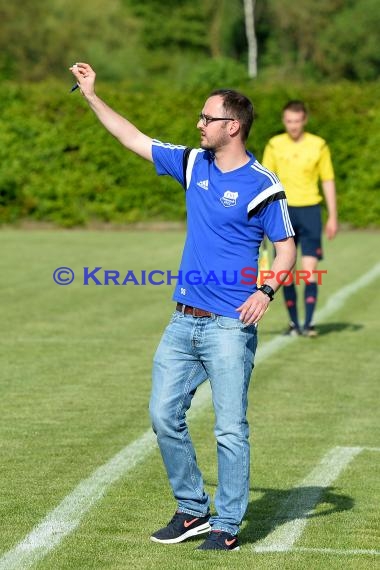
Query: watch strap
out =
(267, 290)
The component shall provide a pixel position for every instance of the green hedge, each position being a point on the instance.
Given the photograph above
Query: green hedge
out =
(59, 165)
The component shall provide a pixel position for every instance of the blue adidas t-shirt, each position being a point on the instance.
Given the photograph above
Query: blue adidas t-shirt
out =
(228, 214)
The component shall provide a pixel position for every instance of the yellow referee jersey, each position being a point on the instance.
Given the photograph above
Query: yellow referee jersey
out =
(299, 166)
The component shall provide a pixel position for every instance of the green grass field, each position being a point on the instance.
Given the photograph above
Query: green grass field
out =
(75, 367)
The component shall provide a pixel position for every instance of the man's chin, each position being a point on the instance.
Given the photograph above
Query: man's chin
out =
(205, 146)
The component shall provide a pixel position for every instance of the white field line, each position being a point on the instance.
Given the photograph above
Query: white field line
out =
(337, 300)
(66, 517)
(338, 551)
(292, 517)
(334, 303)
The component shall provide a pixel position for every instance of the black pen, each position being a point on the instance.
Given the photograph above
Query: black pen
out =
(74, 87)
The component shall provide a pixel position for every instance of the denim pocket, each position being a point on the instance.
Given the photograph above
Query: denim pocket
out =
(231, 324)
(175, 316)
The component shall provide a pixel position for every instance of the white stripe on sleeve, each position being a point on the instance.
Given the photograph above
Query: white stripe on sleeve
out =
(264, 195)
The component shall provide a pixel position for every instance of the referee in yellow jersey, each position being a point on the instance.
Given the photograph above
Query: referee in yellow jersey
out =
(300, 160)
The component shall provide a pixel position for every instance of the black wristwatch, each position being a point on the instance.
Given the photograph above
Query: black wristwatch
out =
(267, 290)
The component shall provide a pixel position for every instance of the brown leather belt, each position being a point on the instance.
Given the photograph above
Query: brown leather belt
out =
(193, 311)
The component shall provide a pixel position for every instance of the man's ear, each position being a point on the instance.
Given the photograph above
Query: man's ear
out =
(234, 128)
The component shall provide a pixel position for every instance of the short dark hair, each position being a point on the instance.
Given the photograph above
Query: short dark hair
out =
(295, 105)
(239, 106)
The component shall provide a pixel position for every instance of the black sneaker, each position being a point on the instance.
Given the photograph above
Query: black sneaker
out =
(292, 330)
(181, 527)
(219, 540)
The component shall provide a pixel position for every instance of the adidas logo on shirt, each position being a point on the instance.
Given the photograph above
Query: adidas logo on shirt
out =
(203, 184)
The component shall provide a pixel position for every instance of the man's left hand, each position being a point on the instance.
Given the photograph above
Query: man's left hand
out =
(253, 308)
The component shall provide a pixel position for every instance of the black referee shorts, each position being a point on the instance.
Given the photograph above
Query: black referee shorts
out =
(307, 225)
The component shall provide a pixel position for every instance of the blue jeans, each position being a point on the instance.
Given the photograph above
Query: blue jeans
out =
(191, 350)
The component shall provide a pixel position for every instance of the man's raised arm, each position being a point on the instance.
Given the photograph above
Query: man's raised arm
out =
(126, 133)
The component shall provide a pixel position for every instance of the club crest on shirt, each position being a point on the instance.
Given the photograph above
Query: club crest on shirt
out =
(229, 198)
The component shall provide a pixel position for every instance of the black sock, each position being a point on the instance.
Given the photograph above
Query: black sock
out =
(290, 296)
(311, 292)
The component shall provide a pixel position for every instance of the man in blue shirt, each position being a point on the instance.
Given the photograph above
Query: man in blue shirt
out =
(232, 201)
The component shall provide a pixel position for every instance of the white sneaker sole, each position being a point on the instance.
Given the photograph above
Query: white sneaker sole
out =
(219, 549)
(201, 529)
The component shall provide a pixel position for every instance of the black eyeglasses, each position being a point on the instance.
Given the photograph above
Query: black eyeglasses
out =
(206, 119)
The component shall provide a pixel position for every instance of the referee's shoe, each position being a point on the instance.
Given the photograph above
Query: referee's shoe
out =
(293, 330)
(181, 527)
